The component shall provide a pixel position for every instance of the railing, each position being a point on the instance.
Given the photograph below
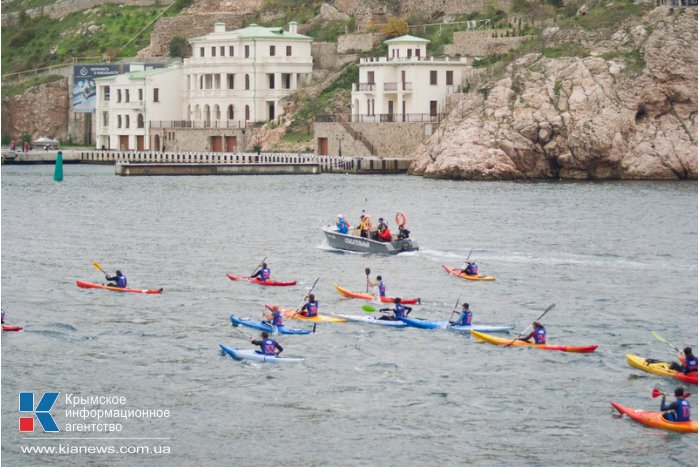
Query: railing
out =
(364, 87)
(390, 86)
(154, 157)
(366, 60)
(394, 86)
(235, 124)
(381, 118)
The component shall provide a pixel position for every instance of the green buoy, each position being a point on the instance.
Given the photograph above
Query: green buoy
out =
(58, 169)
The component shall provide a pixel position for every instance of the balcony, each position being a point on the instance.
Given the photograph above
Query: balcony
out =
(364, 87)
(393, 87)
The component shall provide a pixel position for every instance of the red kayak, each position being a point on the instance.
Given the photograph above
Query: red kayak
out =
(656, 419)
(9, 327)
(255, 280)
(90, 285)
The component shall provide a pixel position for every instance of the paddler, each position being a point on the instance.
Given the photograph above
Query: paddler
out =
(399, 311)
(263, 273)
(118, 280)
(464, 318)
(310, 308)
(342, 224)
(267, 346)
(678, 410)
(538, 333)
(380, 285)
(472, 269)
(691, 362)
(274, 316)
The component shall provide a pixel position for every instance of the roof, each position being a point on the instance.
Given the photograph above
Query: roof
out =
(254, 32)
(141, 74)
(406, 39)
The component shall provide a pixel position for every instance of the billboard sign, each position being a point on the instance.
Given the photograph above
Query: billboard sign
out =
(84, 95)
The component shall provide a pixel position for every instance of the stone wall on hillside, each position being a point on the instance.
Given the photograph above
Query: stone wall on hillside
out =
(389, 139)
(353, 43)
(325, 55)
(482, 43)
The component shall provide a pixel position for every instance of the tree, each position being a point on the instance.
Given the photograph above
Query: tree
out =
(395, 27)
(179, 47)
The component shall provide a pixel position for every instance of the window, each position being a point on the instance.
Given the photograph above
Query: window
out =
(433, 108)
(370, 77)
(230, 51)
(201, 51)
(271, 80)
(230, 112)
(126, 121)
(449, 78)
(140, 94)
(119, 121)
(139, 120)
(272, 51)
(155, 95)
(289, 51)
(247, 82)
(247, 51)
(433, 77)
(409, 53)
(106, 94)
(222, 51)
(230, 78)
(105, 118)
(213, 51)
(287, 80)
(119, 95)
(126, 95)
(418, 53)
(247, 112)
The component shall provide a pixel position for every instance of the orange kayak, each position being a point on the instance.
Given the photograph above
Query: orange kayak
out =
(368, 296)
(294, 314)
(458, 272)
(90, 285)
(656, 419)
(518, 343)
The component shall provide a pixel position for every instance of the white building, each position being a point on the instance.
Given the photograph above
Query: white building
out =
(407, 85)
(126, 104)
(244, 74)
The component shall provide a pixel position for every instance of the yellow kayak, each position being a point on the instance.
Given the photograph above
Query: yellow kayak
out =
(294, 314)
(660, 368)
(518, 343)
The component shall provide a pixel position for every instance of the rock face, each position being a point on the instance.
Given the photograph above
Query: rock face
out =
(581, 118)
(42, 111)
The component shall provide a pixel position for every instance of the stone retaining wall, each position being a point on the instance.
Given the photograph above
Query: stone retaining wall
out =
(481, 43)
(395, 140)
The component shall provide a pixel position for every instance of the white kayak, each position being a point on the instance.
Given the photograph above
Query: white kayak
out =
(256, 356)
(372, 320)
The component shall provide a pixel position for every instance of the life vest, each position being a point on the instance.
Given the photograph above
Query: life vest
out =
(276, 318)
(472, 270)
(691, 365)
(268, 347)
(399, 311)
(311, 309)
(382, 289)
(465, 318)
(265, 274)
(342, 226)
(540, 336)
(121, 281)
(385, 234)
(682, 410)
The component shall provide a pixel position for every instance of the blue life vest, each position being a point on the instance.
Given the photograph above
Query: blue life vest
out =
(382, 289)
(691, 365)
(265, 274)
(472, 270)
(399, 311)
(342, 226)
(682, 410)
(540, 336)
(276, 318)
(121, 281)
(268, 347)
(311, 309)
(465, 318)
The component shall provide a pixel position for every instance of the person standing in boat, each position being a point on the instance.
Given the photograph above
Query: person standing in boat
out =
(263, 273)
(400, 311)
(310, 308)
(365, 225)
(274, 316)
(118, 280)
(539, 334)
(690, 362)
(267, 346)
(464, 318)
(678, 410)
(343, 226)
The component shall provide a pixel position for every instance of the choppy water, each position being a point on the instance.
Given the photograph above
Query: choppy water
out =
(618, 259)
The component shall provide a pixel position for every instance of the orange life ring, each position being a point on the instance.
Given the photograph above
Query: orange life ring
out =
(368, 219)
(400, 218)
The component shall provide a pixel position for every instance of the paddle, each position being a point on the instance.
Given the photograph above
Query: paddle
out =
(97, 266)
(665, 341)
(528, 327)
(368, 308)
(656, 393)
(243, 332)
(256, 267)
(306, 296)
(367, 271)
(464, 265)
(455, 308)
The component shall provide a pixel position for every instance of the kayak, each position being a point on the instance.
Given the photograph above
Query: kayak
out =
(373, 320)
(656, 419)
(90, 285)
(264, 326)
(254, 355)
(426, 324)
(518, 343)
(294, 314)
(255, 280)
(368, 296)
(458, 272)
(9, 327)
(660, 368)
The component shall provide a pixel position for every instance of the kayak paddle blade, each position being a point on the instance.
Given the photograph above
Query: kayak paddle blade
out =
(368, 308)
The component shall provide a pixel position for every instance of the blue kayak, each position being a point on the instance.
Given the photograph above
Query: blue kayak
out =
(427, 324)
(264, 326)
(256, 356)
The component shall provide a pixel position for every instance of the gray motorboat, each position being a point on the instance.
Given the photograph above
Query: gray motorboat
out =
(353, 242)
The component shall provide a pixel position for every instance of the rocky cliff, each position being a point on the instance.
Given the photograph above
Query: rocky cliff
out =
(628, 113)
(41, 111)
